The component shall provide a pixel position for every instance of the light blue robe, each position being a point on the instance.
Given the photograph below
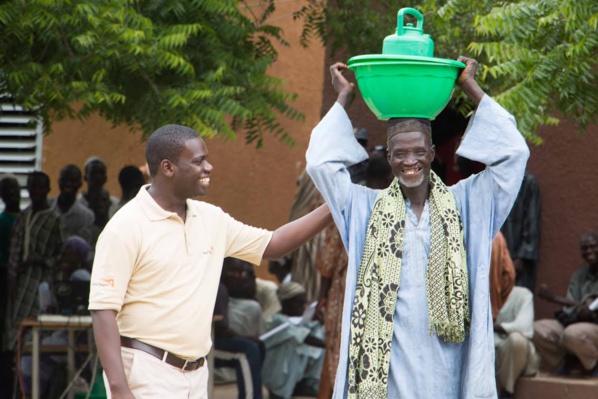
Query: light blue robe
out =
(423, 366)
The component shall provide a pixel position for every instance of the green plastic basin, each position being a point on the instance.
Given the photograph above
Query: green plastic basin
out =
(405, 86)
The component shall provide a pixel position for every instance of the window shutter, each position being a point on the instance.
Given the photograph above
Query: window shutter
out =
(21, 136)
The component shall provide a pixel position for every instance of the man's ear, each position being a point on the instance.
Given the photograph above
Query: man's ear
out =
(167, 167)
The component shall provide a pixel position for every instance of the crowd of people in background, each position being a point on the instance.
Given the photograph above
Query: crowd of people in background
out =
(50, 241)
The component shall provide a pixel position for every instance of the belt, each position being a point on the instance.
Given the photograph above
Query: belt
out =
(166, 357)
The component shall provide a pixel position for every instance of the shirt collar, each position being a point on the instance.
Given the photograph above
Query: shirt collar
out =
(155, 212)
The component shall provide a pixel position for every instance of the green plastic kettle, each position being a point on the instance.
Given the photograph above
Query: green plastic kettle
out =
(409, 40)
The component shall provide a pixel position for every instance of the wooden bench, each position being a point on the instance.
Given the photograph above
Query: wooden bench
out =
(546, 386)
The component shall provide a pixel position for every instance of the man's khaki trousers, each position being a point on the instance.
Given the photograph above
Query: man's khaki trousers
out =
(150, 378)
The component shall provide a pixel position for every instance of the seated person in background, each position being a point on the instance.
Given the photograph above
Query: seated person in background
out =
(573, 336)
(266, 290)
(513, 315)
(70, 263)
(281, 269)
(295, 354)
(244, 311)
(516, 355)
(265, 294)
(236, 342)
(71, 267)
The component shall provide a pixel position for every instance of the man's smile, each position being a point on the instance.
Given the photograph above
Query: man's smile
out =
(411, 171)
(204, 181)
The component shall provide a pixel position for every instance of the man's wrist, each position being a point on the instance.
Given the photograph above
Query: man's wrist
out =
(473, 90)
(345, 98)
(119, 385)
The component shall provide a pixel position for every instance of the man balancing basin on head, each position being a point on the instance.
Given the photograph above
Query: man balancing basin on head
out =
(157, 267)
(417, 321)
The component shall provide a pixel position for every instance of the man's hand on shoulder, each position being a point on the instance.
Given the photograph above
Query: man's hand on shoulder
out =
(466, 80)
(344, 88)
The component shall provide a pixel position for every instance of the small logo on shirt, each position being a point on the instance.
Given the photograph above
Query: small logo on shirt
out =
(210, 251)
(106, 282)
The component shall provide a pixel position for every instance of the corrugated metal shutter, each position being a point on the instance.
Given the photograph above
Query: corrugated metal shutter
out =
(21, 137)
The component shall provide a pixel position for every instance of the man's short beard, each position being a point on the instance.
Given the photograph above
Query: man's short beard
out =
(411, 184)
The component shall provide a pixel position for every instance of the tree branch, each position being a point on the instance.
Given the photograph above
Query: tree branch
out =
(66, 42)
(248, 7)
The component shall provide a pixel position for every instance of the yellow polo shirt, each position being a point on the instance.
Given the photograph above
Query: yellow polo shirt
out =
(161, 275)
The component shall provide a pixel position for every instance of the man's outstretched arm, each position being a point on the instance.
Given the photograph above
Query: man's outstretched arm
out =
(292, 235)
(545, 293)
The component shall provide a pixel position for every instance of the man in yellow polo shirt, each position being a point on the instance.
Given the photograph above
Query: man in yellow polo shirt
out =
(156, 271)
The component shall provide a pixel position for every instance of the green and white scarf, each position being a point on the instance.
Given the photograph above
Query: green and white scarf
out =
(379, 280)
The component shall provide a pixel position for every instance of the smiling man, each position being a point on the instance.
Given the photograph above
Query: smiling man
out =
(157, 267)
(573, 337)
(416, 317)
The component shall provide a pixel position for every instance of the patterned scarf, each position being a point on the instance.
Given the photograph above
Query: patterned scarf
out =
(379, 279)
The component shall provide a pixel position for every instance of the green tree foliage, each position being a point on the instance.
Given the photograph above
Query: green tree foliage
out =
(538, 57)
(146, 63)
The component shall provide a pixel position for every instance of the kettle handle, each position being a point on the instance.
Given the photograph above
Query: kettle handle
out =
(414, 13)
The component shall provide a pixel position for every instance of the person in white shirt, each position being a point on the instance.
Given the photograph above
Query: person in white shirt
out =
(516, 355)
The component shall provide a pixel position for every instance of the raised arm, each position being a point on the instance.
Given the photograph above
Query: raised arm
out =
(491, 138)
(466, 80)
(292, 235)
(344, 88)
(333, 148)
